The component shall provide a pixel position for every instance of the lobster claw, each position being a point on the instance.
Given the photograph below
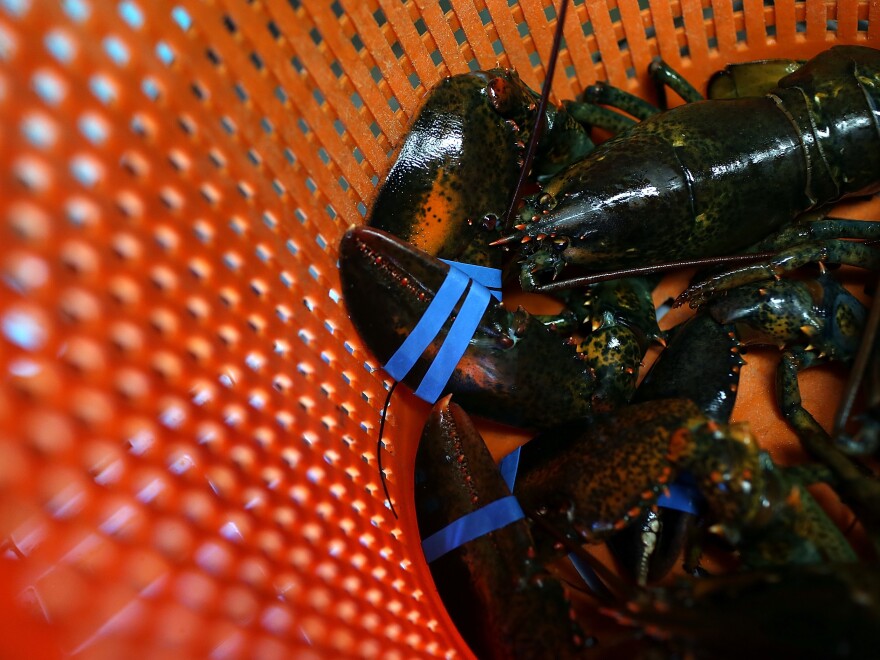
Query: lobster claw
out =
(387, 285)
(506, 604)
(512, 368)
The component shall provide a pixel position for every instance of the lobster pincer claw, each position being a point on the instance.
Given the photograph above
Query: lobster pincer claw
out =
(410, 308)
(503, 601)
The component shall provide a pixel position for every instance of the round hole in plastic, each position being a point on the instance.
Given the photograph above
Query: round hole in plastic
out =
(187, 419)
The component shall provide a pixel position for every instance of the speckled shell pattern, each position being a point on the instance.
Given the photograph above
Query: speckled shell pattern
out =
(507, 605)
(514, 369)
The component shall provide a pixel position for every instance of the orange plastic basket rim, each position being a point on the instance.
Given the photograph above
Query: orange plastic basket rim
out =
(187, 418)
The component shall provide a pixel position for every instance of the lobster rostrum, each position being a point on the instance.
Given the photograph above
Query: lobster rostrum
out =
(674, 186)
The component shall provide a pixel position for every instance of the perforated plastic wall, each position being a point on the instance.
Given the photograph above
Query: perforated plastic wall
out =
(187, 420)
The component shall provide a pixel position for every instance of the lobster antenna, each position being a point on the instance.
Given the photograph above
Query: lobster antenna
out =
(379, 445)
(650, 270)
(857, 372)
(539, 120)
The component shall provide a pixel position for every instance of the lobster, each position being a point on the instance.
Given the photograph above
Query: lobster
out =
(599, 480)
(675, 187)
(813, 320)
(440, 198)
(513, 368)
(417, 281)
(493, 581)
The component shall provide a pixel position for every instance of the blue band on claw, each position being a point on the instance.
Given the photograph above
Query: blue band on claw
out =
(428, 326)
(494, 515)
(456, 342)
(488, 277)
(508, 466)
(482, 521)
(681, 496)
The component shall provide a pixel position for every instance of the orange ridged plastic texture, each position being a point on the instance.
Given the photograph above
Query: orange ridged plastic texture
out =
(187, 420)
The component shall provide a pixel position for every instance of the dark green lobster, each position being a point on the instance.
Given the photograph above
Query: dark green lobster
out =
(603, 478)
(814, 321)
(451, 182)
(712, 177)
(579, 487)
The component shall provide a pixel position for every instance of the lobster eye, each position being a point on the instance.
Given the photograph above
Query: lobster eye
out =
(561, 243)
(501, 95)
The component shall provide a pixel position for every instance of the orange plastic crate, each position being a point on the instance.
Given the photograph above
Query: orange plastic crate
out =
(187, 420)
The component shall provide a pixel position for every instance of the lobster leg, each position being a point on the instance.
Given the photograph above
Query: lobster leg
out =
(857, 487)
(665, 76)
(787, 390)
(860, 491)
(830, 251)
(594, 116)
(588, 112)
(601, 93)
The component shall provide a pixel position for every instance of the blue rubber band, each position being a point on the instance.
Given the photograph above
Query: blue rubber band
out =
(428, 326)
(485, 275)
(588, 575)
(681, 497)
(508, 466)
(455, 344)
(494, 515)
